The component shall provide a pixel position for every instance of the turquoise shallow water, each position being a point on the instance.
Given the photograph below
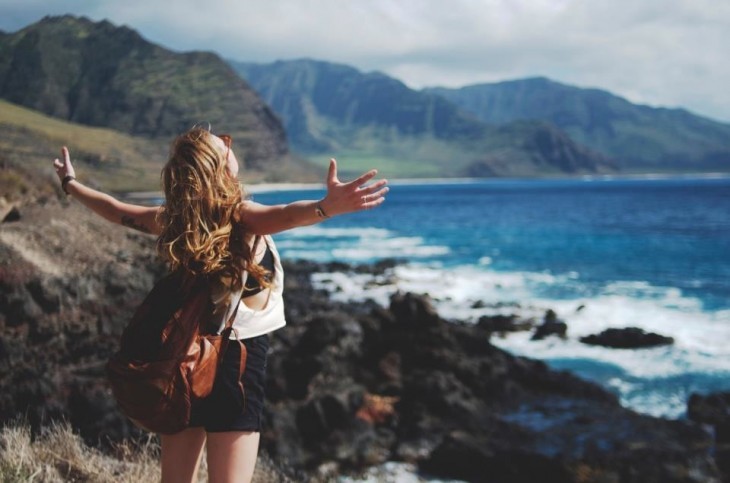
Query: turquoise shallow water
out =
(653, 253)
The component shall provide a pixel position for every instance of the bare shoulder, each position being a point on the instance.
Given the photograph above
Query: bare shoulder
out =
(248, 210)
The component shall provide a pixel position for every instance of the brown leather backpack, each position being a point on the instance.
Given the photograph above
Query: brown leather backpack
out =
(166, 359)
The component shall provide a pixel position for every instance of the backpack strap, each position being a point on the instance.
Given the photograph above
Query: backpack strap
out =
(226, 334)
(243, 351)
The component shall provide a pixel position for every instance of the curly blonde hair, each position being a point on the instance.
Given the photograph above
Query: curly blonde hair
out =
(200, 234)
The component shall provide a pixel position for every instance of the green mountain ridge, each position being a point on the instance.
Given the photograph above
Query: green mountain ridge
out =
(329, 107)
(343, 93)
(98, 74)
(639, 137)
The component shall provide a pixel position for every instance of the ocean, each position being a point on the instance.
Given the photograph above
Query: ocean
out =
(650, 252)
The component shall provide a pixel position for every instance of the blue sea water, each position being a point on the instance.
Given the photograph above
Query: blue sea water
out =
(652, 253)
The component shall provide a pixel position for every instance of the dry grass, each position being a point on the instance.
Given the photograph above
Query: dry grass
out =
(60, 455)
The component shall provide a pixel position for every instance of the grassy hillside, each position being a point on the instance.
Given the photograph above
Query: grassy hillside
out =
(108, 159)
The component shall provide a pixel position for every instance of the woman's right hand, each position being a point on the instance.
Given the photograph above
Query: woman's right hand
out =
(64, 168)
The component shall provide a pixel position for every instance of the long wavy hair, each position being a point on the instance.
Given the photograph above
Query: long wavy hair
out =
(200, 234)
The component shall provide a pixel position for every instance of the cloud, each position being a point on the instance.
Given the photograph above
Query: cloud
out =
(660, 52)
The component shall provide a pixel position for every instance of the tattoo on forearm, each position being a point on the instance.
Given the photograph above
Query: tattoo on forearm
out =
(129, 221)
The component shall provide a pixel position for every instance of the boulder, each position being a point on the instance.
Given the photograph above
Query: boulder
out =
(503, 323)
(414, 310)
(627, 338)
(712, 409)
(551, 325)
(462, 456)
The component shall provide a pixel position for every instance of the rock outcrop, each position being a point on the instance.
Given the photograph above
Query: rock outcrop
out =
(713, 410)
(349, 385)
(627, 338)
(551, 325)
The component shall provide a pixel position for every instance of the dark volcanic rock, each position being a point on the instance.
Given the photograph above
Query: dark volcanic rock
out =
(462, 456)
(550, 326)
(349, 385)
(710, 409)
(627, 338)
(503, 323)
(714, 410)
(413, 309)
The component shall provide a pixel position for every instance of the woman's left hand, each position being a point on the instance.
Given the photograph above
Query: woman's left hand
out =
(64, 168)
(352, 196)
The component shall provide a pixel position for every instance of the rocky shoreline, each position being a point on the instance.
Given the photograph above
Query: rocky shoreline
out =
(351, 385)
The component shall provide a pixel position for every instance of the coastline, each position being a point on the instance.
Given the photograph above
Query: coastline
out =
(291, 186)
(350, 386)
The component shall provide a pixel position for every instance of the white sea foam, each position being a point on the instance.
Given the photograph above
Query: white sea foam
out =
(469, 292)
(466, 293)
(456, 291)
(325, 232)
(354, 245)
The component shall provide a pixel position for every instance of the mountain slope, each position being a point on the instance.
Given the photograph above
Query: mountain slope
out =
(305, 91)
(102, 75)
(106, 158)
(639, 137)
(332, 108)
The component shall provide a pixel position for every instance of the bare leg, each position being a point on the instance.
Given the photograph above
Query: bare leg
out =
(232, 456)
(181, 455)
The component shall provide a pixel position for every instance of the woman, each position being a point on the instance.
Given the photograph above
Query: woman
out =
(207, 227)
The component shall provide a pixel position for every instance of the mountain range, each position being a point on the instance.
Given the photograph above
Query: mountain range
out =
(638, 137)
(322, 104)
(331, 108)
(100, 75)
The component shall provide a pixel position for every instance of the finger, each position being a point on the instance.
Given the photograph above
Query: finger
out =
(332, 173)
(57, 164)
(373, 204)
(373, 196)
(364, 178)
(66, 156)
(366, 190)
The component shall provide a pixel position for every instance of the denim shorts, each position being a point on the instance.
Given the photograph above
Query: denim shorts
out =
(225, 409)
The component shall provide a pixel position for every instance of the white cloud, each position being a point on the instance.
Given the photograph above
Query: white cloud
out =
(661, 52)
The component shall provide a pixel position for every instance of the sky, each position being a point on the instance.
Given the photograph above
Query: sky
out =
(670, 53)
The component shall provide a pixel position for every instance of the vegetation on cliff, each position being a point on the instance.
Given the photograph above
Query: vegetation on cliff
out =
(98, 74)
(638, 137)
(375, 119)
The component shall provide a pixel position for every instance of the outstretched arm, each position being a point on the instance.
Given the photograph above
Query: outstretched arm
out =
(341, 198)
(142, 218)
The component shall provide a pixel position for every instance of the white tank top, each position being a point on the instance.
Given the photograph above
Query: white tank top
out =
(249, 322)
